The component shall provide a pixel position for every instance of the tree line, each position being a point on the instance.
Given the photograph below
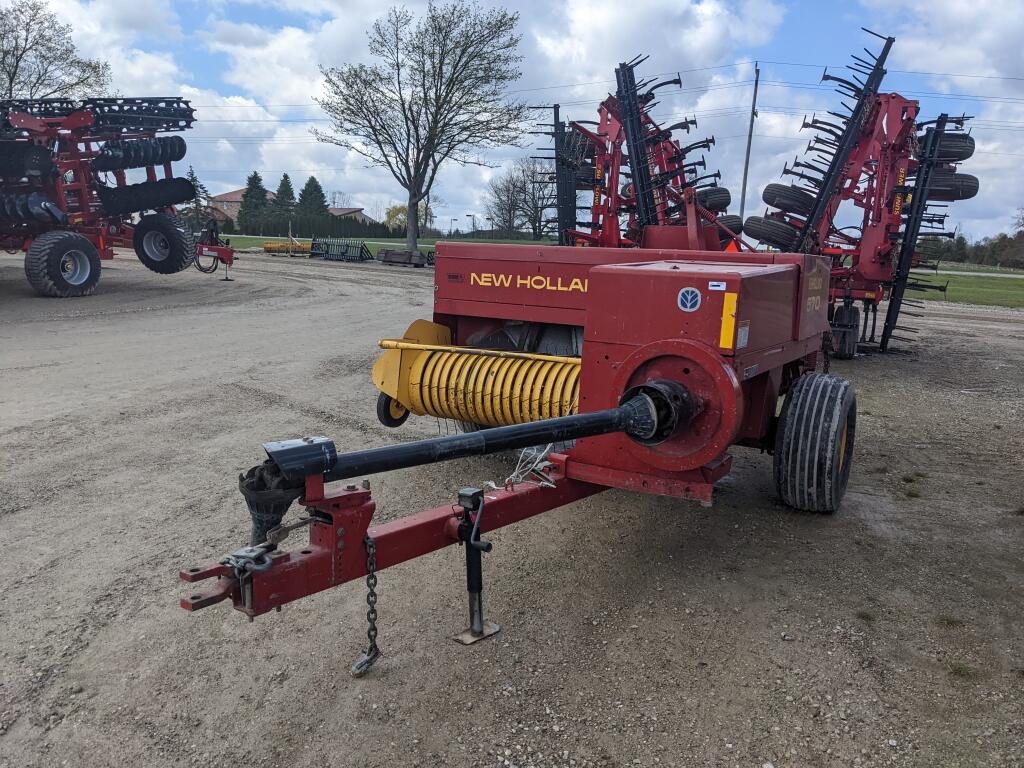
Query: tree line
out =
(307, 215)
(1002, 250)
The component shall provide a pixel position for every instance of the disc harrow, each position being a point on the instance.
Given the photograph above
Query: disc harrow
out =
(63, 167)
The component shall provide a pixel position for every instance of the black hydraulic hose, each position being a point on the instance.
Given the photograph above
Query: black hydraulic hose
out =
(637, 417)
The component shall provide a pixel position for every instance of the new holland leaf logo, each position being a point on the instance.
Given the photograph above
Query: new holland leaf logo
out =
(689, 299)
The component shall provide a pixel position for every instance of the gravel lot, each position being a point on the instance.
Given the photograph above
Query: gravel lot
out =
(636, 630)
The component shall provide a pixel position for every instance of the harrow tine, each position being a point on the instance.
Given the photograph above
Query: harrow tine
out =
(707, 143)
(683, 125)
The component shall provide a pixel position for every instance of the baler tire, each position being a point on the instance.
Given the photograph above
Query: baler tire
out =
(772, 231)
(62, 265)
(845, 331)
(788, 198)
(714, 198)
(814, 441)
(164, 243)
(387, 407)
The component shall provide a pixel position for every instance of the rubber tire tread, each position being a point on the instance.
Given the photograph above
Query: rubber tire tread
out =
(806, 460)
(384, 412)
(949, 186)
(714, 198)
(42, 264)
(772, 231)
(845, 347)
(955, 147)
(178, 234)
(788, 198)
(732, 222)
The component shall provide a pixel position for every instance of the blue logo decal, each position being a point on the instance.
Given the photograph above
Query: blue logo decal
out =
(689, 299)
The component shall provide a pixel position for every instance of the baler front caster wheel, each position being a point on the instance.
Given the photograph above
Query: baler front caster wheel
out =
(390, 412)
(814, 442)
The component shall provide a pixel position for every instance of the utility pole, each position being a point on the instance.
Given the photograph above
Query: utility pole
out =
(750, 139)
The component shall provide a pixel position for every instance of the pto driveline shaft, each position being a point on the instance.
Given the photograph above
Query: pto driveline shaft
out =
(637, 417)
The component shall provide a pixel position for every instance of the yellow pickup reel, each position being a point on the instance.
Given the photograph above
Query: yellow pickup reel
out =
(423, 373)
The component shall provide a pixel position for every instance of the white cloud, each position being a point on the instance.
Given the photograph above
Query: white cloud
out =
(969, 38)
(573, 46)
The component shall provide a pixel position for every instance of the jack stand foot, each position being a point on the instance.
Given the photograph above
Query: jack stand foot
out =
(472, 500)
(468, 637)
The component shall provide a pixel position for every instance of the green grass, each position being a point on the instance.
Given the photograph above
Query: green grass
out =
(961, 670)
(251, 241)
(992, 291)
(958, 266)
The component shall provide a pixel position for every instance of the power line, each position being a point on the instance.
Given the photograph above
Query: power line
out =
(659, 74)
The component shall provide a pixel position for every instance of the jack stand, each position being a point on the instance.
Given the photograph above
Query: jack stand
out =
(472, 500)
(227, 278)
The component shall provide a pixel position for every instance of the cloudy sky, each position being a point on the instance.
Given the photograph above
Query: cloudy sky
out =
(251, 68)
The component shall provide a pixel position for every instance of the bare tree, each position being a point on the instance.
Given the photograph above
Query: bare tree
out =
(38, 59)
(503, 201)
(536, 196)
(436, 94)
(521, 197)
(340, 199)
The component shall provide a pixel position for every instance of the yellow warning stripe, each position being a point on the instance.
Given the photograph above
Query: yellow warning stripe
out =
(728, 334)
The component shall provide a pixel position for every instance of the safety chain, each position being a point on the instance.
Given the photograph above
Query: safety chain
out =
(372, 653)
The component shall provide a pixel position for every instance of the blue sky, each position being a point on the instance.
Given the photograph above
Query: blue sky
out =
(251, 69)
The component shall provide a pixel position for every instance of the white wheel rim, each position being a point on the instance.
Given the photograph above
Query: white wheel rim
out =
(75, 267)
(156, 246)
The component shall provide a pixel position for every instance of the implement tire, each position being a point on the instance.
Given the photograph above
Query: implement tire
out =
(845, 330)
(788, 198)
(814, 441)
(164, 243)
(714, 198)
(949, 186)
(954, 147)
(776, 233)
(62, 265)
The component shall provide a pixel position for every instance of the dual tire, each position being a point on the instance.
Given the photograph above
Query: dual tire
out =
(814, 442)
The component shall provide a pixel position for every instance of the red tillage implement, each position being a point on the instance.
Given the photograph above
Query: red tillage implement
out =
(65, 197)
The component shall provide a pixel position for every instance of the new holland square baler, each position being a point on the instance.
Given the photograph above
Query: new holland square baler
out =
(634, 367)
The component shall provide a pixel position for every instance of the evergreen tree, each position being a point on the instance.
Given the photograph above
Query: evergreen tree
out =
(312, 200)
(284, 200)
(195, 211)
(253, 210)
